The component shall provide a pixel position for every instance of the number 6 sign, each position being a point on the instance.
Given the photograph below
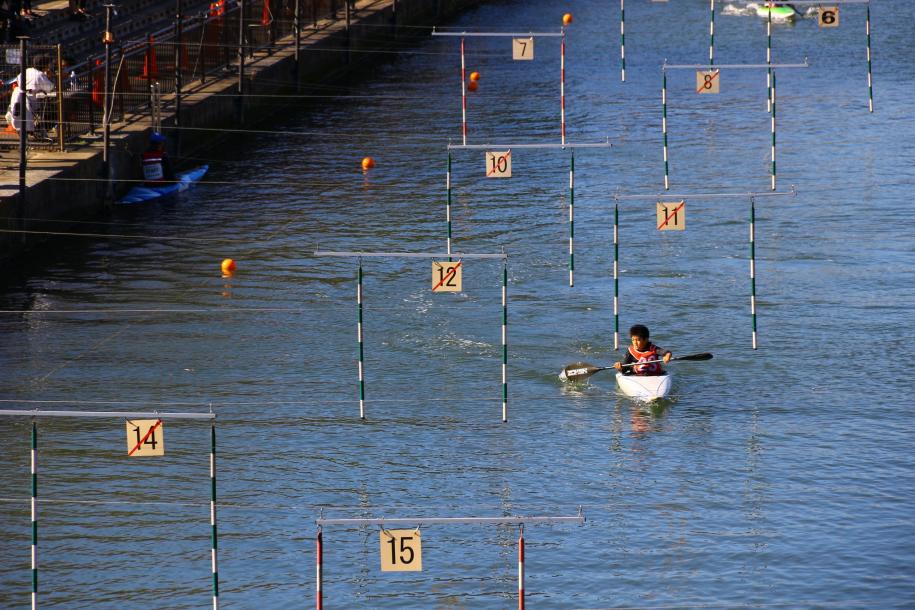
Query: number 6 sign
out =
(401, 550)
(828, 16)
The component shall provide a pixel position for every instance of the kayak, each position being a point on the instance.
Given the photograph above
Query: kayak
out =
(142, 194)
(645, 387)
(779, 13)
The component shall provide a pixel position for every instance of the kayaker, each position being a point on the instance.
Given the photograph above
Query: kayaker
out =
(643, 350)
(157, 167)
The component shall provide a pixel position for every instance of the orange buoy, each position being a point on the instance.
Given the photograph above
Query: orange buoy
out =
(474, 76)
(567, 19)
(228, 266)
(473, 85)
(368, 163)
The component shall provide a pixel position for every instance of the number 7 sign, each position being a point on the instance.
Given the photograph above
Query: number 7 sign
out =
(401, 550)
(522, 49)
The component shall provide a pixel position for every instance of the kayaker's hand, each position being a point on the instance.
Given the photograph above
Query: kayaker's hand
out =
(667, 357)
(618, 366)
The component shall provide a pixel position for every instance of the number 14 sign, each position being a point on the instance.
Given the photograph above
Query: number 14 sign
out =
(401, 550)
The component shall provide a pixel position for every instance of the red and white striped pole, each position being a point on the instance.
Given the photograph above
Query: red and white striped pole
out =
(319, 561)
(521, 569)
(463, 95)
(562, 86)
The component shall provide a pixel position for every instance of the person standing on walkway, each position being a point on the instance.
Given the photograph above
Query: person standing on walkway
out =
(37, 83)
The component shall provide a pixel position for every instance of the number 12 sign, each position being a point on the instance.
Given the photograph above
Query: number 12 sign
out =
(446, 277)
(401, 550)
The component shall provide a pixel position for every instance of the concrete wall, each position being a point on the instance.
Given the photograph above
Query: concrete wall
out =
(67, 197)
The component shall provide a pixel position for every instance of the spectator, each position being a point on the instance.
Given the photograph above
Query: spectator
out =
(37, 83)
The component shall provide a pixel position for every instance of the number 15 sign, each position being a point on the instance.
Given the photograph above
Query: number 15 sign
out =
(401, 550)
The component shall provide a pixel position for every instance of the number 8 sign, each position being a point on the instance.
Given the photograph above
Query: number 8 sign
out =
(401, 550)
(707, 81)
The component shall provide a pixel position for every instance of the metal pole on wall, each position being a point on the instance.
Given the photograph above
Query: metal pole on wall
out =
(178, 50)
(34, 469)
(60, 100)
(107, 39)
(297, 27)
(23, 112)
(241, 60)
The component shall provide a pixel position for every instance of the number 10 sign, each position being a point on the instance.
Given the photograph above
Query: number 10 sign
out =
(401, 550)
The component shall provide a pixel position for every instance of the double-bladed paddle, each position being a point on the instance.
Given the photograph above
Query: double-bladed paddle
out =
(582, 370)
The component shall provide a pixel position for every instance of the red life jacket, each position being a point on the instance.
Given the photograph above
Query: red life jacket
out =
(650, 354)
(153, 167)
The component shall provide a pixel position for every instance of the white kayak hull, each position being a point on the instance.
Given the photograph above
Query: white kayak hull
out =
(645, 387)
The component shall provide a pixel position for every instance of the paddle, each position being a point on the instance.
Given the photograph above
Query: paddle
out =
(582, 370)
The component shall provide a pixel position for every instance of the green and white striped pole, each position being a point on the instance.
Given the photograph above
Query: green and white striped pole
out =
(359, 339)
(870, 79)
(664, 127)
(504, 341)
(572, 219)
(772, 100)
(753, 267)
(213, 535)
(769, 59)
(616, 276)
(34, 456)
(711, 34)
(623, 40)
(448, 204)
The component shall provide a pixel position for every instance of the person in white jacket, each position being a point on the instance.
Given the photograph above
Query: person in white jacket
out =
(37, 83)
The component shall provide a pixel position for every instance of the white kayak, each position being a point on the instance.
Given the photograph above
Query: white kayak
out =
(645, 387)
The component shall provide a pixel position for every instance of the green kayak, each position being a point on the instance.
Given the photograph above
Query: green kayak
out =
(779, 13)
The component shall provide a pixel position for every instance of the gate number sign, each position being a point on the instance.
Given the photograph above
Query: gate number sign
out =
(671, 215)
(522, 48)
(499, 164)
(446, 277)
(707, 81)
(401, 550)
(145, 437)
(828, 16)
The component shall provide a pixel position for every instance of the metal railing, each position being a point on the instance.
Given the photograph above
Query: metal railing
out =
(209, 44)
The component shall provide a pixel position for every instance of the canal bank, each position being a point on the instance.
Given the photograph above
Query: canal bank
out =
(71, 185)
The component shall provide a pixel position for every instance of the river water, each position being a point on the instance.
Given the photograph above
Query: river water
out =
(781, 477)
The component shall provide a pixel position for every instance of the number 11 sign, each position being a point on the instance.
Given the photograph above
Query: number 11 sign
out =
(401, 550)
